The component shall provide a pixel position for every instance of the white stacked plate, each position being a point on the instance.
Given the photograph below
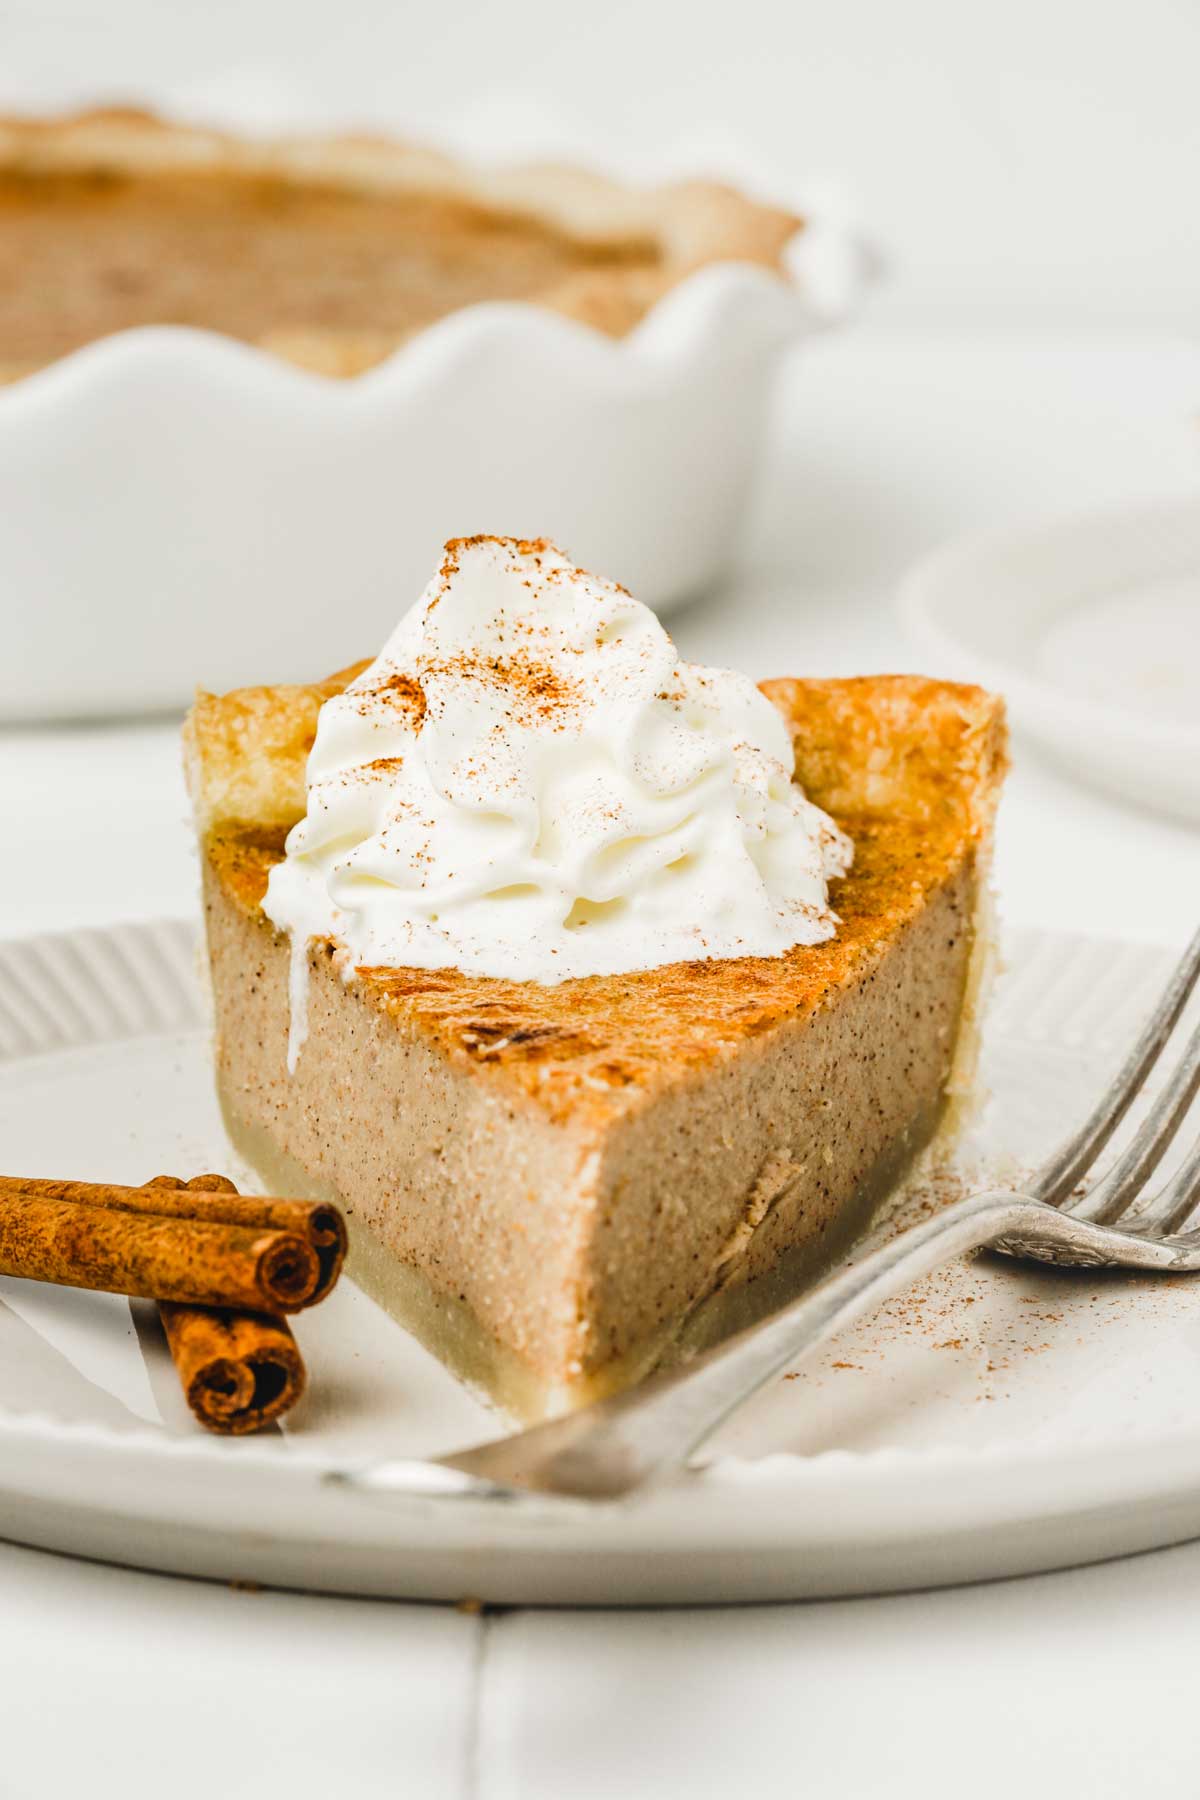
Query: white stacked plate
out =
(1091, 629)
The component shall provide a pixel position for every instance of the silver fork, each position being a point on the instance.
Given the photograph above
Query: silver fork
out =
(643, 1435)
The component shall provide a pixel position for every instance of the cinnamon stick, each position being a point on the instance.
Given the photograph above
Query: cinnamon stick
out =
(212, 1199)
(239, 1366)
(239, 1370)
(121, 1251)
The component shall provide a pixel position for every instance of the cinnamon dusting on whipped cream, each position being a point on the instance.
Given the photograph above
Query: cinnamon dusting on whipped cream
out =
(405, 692)
(529, 783)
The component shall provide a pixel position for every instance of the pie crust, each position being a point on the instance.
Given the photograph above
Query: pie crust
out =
(330, 252)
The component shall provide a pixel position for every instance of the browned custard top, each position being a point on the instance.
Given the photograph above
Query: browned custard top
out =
(86, 253)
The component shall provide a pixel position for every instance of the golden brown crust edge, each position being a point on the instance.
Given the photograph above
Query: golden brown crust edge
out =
(245, 752)
(692, 220)
(897, 746)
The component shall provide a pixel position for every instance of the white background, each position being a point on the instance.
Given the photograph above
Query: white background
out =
(1031, 169)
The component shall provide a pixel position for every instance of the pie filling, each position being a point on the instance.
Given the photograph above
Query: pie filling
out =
(451, 1330)
(84, 254)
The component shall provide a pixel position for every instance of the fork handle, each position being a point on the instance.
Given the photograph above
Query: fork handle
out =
(623, 1443)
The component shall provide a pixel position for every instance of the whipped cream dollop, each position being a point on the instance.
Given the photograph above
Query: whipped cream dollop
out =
(529, 782)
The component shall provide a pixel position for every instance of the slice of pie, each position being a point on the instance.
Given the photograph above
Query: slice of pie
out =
(554, 1185)
(328, 251)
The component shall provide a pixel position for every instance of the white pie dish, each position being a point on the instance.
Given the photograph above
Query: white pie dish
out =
(1090, 627)
(183, 509)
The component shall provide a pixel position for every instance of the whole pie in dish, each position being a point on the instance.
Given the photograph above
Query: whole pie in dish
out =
(328, 251)
(555, 1185)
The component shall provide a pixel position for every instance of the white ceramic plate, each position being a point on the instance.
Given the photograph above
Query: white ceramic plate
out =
(1091, 628)
(996, 1420)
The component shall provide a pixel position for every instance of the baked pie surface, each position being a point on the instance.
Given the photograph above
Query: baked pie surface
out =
(329, 252)
(553, 1183)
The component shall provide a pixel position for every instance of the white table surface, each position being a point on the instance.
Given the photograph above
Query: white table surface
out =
(885, 444)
